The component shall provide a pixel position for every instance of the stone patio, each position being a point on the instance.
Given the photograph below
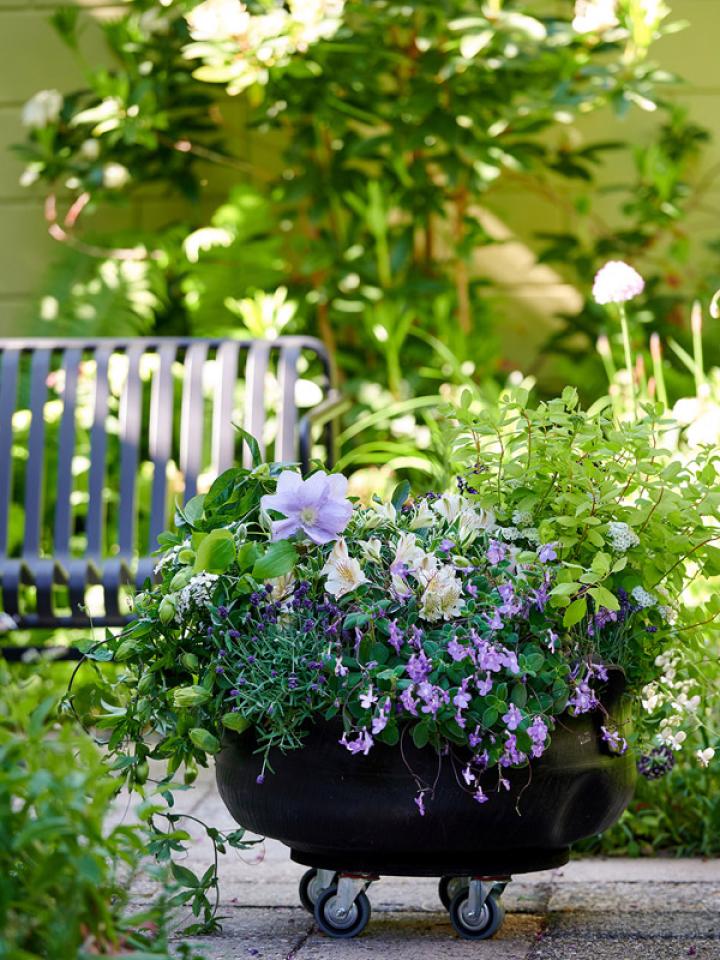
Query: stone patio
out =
(619, 909)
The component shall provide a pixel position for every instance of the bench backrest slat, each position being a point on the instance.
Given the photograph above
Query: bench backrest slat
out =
(66, 448)
(35, 463)
(192, 418)
(8, 395)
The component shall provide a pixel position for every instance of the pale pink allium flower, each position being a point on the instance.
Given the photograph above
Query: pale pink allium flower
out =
(617, 282)
(316, 507)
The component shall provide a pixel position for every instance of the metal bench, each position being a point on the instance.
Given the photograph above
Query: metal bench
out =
(98, 438)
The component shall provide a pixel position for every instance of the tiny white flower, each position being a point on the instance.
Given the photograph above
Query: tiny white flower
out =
(42, 108)
(595, 16)
(705, 756)
(218, 20)
(90, 149)
(642, 598)
(344, 573)
(622, 537)
(115, 176)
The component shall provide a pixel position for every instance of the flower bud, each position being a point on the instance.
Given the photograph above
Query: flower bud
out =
(146, 683)
(140, 772)
(186, 556)
(204, 740)
(166, 610)
(181, 579)
(191, 696)
(190, 661)
(126, 649)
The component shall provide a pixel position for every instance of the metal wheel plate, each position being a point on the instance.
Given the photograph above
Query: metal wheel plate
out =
(474, 922)
(332, 908)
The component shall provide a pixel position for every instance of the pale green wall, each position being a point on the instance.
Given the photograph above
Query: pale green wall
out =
(32, 58)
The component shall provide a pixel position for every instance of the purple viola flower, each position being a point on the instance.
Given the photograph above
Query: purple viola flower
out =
(395, 638)
(379, 724)
(457, 651)
(547, 553)
(446, 545)
(583, 698)
(418, 667)
(316, 507)
(513, 718)
(480, 796)
(615, 742)
(495, 621)
(512, 756)
(483, 687)
(420, 803)
(510, 603)
(362, 743)
(468, 776)
(409, 702)
(462, 697)
(495, 552)
(368, 699)
(475, 739)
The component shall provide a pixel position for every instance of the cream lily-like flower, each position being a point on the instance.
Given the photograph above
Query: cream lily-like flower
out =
(472, 521)
(449, 506)
(423, 516)
(407, 553)
(442, 599)
(377, 513)
(282, 587)
(705, 756)
(344, 573)
(371, 549)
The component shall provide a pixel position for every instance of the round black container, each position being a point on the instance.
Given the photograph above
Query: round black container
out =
(356, 813)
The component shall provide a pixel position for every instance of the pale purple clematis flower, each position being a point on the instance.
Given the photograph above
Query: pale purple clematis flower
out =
(316, 507)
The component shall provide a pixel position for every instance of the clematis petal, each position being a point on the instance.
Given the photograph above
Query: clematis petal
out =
(282, 529)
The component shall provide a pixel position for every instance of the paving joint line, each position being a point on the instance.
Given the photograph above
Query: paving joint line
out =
(301, 941)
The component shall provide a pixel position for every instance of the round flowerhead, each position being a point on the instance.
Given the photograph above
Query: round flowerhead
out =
(617, 282)
(41, 109)
(316, 507)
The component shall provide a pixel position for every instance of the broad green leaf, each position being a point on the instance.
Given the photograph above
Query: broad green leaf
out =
(603, 598)
(278, 559)
(575, 612)
(215, 553)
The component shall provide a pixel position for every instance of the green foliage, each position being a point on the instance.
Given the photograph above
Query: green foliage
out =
(64, 872)
(375, 136)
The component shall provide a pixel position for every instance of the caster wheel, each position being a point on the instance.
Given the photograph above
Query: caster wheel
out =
(481, 927)
(310, 888)
(449, 887)
(328, 918)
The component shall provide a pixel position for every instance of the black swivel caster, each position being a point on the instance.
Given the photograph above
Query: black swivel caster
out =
(343, 910)
(312, 884)
(475, 912)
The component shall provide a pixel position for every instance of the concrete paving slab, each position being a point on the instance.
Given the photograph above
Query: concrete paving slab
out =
(265, 934)
(623, 949)
(637, 925)
(407, 936)
(624, 897)
(640, 870)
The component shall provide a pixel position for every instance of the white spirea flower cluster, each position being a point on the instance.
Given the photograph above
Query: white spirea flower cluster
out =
(595, 16)
(642, 598)
(198, 593)
(622, 537)
(677, 697)
(168, 559)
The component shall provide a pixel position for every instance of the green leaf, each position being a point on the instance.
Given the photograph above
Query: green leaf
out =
(253, 445)
(603, 598)
(575, 612)
(194, 509)
(216, 552)
(421, 735)
(278, 559)
(400, 495)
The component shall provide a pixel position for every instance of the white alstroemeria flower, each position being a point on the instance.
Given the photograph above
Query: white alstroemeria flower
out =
(423, 516)
(705, 756)
(377, 513)
(218, 20)
(282, 587)
(472, 521)
(371, 549)
(407, 553)
(42, 108)
(449, 506)
(344, 574)
(442, 599)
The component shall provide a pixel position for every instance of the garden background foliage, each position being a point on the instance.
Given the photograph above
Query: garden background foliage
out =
(382, 144)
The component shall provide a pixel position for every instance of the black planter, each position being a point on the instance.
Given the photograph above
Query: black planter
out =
(354, 813)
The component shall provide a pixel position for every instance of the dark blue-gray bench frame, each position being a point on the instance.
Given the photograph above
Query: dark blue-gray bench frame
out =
(42, 568)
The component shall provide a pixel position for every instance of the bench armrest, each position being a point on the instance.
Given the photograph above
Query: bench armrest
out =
(324, 414)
